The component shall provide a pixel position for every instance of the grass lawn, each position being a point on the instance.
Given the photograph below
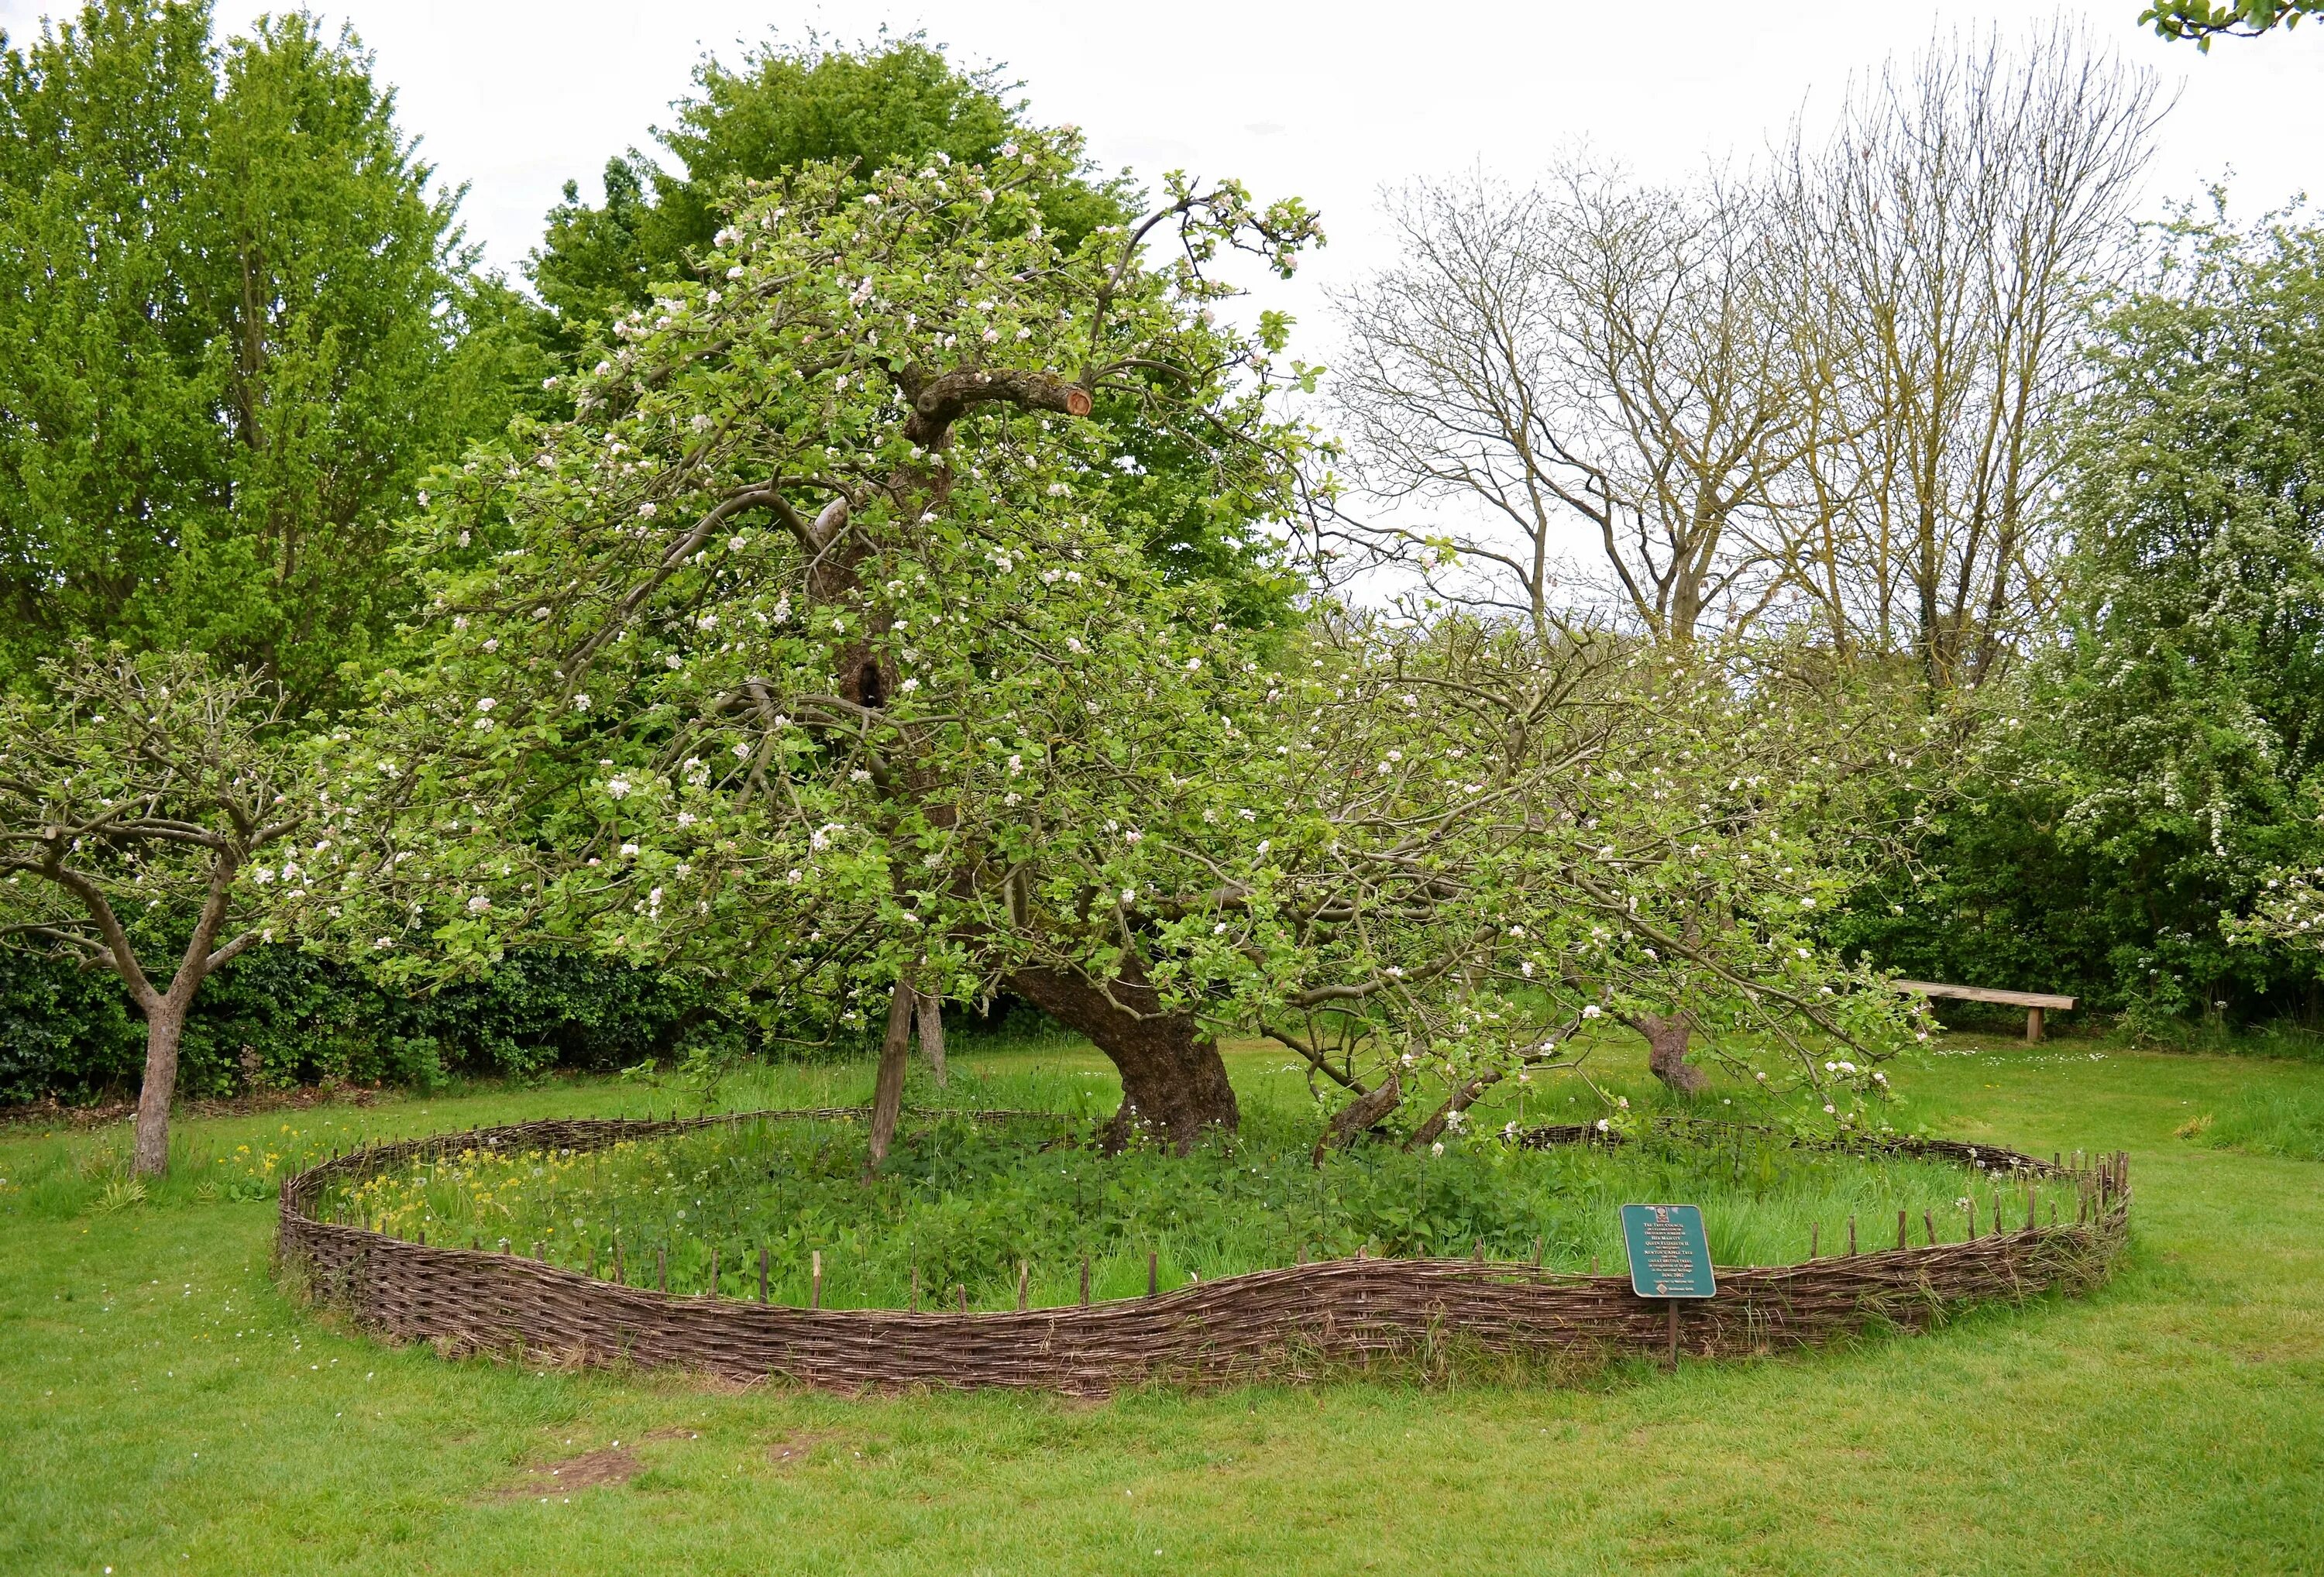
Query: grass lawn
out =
(166, 1410)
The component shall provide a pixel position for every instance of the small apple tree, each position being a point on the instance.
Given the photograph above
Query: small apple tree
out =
(135, 799)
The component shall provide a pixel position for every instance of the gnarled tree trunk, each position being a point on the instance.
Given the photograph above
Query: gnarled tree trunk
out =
(1666, 1042)
(1172, 1076)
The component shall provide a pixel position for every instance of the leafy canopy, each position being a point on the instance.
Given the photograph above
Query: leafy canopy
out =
(239, 329)
(810, 654)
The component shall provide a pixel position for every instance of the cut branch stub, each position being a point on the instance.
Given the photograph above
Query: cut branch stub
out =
(939, 401)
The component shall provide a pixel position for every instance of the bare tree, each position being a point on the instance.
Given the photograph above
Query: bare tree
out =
(131, 805)
(1942, 243)
(1589, 355)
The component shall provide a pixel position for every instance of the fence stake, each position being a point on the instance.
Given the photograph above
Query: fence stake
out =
(661, 1264)
(1024, 1275)
(1477, 1249)
(1815, 1238)
(814, 1283)
(592, 1259)
(1153, 1272)
(1971, 1202)
(2029, 1206)
(961, 1289)
(1085, 1277)
(1851, 1236)
(617, 1261)
(1593, 1264)
(916, 1289)
(1537, 1251)
(1674, 1335)
(714, 1275)
(1901, 1231)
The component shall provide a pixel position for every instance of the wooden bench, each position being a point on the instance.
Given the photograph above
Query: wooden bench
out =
(2034, 1002)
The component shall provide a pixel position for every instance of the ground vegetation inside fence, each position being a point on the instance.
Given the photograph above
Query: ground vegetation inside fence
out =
(993, 1208)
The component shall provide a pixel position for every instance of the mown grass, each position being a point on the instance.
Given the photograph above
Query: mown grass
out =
(168, 1410)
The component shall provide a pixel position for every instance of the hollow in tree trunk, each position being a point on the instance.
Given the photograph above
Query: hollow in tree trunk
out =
(165, 1025)
(1172, 1076)
(1666, 1042)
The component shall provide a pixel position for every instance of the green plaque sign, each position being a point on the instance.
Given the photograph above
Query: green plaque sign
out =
(1669, 1255)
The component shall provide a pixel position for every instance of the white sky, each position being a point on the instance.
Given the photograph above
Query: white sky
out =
(1328, 101)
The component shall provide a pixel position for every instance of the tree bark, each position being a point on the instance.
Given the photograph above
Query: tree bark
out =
(888, 1094)
(1666, 1042)
(165, 1025)
(1173, 1078)
(932, 1034)
(1358, 1115)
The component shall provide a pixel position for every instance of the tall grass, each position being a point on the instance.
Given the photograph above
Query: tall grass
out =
(2287, 1122)
(958, 1205)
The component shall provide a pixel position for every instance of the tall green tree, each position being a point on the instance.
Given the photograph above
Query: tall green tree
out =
(237, 324)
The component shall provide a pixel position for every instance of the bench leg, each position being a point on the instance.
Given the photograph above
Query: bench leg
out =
(2033, 1025)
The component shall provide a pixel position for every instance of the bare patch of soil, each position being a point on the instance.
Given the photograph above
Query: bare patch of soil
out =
(612, 1464)
(793, 1449)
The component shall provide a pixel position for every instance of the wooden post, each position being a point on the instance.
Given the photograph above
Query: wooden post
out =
(1815, 1238)
(1972, 1218)
(1537, 1251)
(661, 1264)
(1852, 1237)
(1477, 1249)
(2033, 1025)
(1929, 1220)
(1593, 1264)
(714, 1275)
(814, 1280)
(1085, 1279)
(1900, 1230)
(2029, 1205)
(1153, 1273)
(1024, 1277)
(916, 1289)
(762, 1273)
(1672, 1364)
(962, 1287)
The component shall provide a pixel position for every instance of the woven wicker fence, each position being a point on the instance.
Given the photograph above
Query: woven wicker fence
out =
(1268, 1324)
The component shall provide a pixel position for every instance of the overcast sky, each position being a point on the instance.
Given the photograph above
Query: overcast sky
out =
(514, 96)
